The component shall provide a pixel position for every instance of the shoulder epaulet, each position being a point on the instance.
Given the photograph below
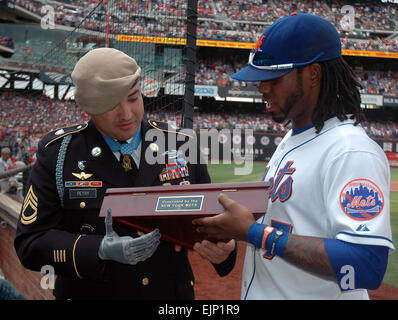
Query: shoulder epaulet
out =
(162, 126)
(60, 133)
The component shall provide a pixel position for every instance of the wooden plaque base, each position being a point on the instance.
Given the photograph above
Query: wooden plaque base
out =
(171, 209)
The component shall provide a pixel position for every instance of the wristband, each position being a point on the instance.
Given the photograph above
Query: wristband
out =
(261, 236)
(279, 243)
(255, 234)
(268, 238)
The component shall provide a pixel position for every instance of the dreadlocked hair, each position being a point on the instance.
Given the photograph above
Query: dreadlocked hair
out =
(339, 94)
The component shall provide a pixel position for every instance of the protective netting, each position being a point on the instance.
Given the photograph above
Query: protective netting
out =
(153, 33)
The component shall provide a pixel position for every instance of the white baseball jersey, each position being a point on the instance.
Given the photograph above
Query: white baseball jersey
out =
(335, 184)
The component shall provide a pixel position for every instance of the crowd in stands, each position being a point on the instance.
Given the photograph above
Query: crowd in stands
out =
(218, 72)
(262, 122)
(379, 82)
(25, 119)
(384, 44)
(218, 121)
(369, 15)
(233, 20)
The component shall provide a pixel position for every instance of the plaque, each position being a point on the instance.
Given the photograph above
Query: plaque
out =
(179, 203)
(172, 208)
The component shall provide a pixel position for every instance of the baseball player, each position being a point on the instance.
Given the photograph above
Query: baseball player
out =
(326, 233)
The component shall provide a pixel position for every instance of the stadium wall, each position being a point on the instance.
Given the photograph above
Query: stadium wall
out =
(261, 145)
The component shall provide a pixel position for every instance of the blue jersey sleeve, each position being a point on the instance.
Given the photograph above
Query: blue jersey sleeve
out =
(357, 266)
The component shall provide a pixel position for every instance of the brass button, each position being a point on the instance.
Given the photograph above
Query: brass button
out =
(192, 283)
(145, 281)
(82, 205)
(140, 233)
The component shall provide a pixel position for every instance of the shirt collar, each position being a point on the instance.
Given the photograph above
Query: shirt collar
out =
(134, 141)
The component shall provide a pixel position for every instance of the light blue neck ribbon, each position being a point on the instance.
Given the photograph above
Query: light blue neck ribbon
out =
(124, 148)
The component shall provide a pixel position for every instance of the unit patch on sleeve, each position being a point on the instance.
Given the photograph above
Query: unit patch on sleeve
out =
(361, 199)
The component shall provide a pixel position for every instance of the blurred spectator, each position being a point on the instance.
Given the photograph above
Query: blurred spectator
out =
(13, 190)
(5, 162)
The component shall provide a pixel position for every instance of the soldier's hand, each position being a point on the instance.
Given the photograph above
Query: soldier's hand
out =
(214, 252)
(126, 249)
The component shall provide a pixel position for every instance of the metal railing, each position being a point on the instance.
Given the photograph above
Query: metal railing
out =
(25, 175)
(13, 172)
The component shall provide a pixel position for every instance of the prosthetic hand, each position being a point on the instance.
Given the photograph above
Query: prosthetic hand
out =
(126, 249)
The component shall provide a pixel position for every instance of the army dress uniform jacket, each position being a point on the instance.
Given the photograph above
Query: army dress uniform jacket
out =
(60, 226)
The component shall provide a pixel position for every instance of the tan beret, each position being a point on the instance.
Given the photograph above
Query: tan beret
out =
(102, 78)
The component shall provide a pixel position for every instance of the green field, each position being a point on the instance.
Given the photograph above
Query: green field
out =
(391, 276)
(225, 173)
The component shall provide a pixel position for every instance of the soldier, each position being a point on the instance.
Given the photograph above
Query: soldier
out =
(59, 223)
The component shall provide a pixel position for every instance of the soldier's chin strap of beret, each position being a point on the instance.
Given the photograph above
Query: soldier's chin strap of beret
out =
(357, 266)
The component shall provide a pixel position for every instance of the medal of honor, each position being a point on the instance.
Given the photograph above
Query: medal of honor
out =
(126, 163)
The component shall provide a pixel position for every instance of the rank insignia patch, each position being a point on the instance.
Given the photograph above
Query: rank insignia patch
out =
(29, 209)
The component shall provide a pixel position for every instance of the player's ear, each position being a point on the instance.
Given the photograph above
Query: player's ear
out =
(315, 74)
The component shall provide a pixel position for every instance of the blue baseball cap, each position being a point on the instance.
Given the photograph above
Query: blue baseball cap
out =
(292, 41)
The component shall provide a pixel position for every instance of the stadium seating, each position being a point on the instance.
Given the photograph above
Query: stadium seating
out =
(232, 20)
(26, 118)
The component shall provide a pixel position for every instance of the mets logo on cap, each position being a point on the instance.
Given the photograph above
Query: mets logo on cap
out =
(361, 199)
(259, 43)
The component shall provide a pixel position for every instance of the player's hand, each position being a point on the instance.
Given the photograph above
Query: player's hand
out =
(214, 252)
(234, 223)
(126, 249)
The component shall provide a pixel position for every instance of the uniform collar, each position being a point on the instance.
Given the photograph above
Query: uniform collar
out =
(132, 143)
